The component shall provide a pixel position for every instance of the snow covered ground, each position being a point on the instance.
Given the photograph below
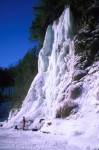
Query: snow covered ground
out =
(29, 140)
(72, 133)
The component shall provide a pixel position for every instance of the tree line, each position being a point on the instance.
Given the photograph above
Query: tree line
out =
(19, 77)
(24, 73)
(6, 80)
(46, 11)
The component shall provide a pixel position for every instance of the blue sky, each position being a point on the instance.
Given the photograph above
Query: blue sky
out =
(15, 19)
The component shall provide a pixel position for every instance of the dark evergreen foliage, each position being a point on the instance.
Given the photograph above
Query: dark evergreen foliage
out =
(6, 79)
(19, 76)
(24, 72)
(47, 11)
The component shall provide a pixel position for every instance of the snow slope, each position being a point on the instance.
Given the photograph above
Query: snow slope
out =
(20, 140)
(55, 94)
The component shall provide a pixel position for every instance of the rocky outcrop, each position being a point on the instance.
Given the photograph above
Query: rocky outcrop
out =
(66, 109)
(87, 40)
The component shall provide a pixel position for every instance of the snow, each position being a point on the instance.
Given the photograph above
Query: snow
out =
(29, 140)
(55, 89)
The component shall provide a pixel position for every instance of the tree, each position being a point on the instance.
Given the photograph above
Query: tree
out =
(45, 14)
(24, 72)
(6, 80)
(46, 11)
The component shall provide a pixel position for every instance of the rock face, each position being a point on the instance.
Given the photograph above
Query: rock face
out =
(66, 109)
(87, 40)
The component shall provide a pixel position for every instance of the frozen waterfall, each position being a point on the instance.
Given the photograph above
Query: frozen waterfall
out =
(55, 67)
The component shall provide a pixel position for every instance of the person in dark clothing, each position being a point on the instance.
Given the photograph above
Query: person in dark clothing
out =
(24, 121)
(16, 127)
(1, 125)
(59, 48)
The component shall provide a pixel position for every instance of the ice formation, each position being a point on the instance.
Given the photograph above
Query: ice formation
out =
(59, 85)
(55, 68)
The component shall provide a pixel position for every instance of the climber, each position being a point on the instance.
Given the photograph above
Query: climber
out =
(1, 125)
(16, 127)
(24, 121)
(59, 48)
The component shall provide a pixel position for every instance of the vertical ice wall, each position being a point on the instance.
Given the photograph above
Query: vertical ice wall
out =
(56, 59)
(55, 68)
